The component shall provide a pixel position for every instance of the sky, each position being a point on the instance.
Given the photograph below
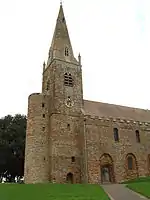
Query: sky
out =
(112, 36)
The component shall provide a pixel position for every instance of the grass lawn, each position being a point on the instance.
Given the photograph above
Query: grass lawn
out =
(51, 192)
(141, 185)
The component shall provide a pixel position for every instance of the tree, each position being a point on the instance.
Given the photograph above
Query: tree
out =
(12, 146)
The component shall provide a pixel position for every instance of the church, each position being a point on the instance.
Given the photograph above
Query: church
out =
(72, 140)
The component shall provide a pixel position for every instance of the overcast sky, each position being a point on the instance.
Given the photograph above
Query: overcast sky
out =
(113, 37)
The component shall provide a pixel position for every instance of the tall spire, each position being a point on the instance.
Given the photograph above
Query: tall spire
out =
(61, 46)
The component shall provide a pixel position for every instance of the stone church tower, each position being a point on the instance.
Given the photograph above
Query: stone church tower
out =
(70, 139)
(53, 139)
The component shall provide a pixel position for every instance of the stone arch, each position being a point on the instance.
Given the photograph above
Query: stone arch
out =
(107, 168)
(69, 178)
(131, 166)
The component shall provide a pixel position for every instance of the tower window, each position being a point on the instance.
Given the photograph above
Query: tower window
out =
(43, 105)
(116, 135)
(68, 126)
(137, 136)
(47, 85)
(63, 19)
(72, 159)
(43, 115)
(68, 80)
(66, 51)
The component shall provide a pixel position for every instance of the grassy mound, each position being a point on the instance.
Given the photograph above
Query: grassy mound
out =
(52, 192)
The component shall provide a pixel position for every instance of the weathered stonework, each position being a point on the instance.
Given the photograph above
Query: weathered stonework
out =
(75, 142)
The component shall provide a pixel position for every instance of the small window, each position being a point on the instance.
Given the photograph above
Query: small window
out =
(66, 51)
(73, 159)
(68, 126)
(130, 162)
(43, 115)
(63, 19)
(137, 136)
(43, 128)
(47, 85)
(43, 105)
(116, 135)
(68, 80)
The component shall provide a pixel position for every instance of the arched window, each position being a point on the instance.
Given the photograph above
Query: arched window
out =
(66, 51)
(116, 135)
(137, 136)
(130, 162)
(68, 81)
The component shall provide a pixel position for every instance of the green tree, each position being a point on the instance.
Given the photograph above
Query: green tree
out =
(12, 146)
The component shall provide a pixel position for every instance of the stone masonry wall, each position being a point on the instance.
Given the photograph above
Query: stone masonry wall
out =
(100, 140)
(65, 144)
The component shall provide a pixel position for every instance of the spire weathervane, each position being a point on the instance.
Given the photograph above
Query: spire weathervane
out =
(61, 2)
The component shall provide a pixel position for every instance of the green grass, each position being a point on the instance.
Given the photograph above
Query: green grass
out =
(137, 180)
(51, 192)
(141, 186)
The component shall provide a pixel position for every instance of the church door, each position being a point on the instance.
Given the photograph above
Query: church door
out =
(105, 171)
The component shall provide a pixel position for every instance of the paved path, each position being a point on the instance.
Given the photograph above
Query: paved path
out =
(120, 192)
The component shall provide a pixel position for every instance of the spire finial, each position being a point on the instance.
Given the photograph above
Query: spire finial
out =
(61, 2)
(79, 59)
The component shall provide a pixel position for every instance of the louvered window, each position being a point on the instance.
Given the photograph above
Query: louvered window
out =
(68, 80)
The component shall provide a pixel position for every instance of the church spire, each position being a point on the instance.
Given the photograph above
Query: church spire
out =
(61, 47)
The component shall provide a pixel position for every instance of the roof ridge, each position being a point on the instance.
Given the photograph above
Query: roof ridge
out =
(124, 106)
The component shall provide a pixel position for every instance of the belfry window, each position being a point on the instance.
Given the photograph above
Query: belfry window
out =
(66, 51)
(68, 80)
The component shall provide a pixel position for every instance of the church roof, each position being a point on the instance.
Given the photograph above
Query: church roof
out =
(116, 111)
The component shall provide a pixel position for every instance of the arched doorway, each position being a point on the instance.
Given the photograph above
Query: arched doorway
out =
(69, 178)
(107, 169)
